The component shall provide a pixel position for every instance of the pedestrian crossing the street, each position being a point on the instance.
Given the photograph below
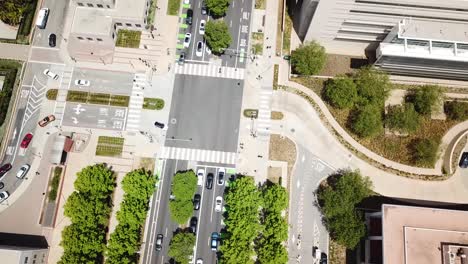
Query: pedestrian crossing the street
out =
(202, 155)
(264, 113)
(136, 102)
(210, 70)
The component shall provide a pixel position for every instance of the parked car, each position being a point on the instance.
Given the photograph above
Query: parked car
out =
(187, 39)
(193, 224)
(82, 83)
(199, 261)
(5, 168)
(26, 140)
(203, 8)
(159, 241)
(201, 30)
(3, 196)
(196, 201)
(159, 125)
(42, 16)
(219, 204)
(209, 181)
(189, 17)
(214, 241)
(181, 58)
(323, 258)
(50, 74)
(23, 171)
(199, 51)
(46, 120)
(221, 174)
(200, 175)
(464, 160)
(52, 40)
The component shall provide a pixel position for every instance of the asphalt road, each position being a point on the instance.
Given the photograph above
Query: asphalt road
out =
(111, 82)
(58, 9)
(94, 116)
(205, 113)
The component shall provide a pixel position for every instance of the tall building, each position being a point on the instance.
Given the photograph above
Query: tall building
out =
(23, 249)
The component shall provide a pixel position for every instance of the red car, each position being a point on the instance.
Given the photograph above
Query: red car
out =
(26, 140)
(4, 169)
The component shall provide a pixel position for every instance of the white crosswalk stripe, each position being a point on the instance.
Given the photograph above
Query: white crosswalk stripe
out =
(136, 102)
(198, 155)
(264, 113)
(210, 70)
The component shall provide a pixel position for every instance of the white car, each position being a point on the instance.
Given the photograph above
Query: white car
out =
(199, 261)
(22, 171)
(50, 74)
(200, 175)
(82, 82)
(187, 39)
(208, 50)
(219, 204)
(3, 196)
(199, 51)
(186, 2)
(201, 30)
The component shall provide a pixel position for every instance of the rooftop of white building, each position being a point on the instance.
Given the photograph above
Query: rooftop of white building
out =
(433, 30)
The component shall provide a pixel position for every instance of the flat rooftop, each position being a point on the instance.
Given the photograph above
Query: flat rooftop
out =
(416, 235)
(433, 30)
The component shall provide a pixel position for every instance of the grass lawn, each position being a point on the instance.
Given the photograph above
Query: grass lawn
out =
(128, 38)
(77, 96)
(275, 115)
(251, 113)
(257, 42)
(96, 98)
(54, 184)
(260, 4)
(153, 103)
(278, 27)
(52, 94)
(99, 98)
(173, 8)
(119, 100)
(275, 77)
(109, 146)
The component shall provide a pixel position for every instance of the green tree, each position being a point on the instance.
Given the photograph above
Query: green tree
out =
(308, 59)
(275, 198)
(139, 184)
(403, 118)
(273, 253)
(84, 244)
(427, 98)
(181, 210)
(181, 247)
(276, 227)
(217, 36)
(96, 181)
(184, 185)
(425, 152)
(217, 8)
(456, 110)
(341, 92)
(87, 212)
(11, 11)
(372, 86)
(339, 198)
(123, 245)
(368, 121)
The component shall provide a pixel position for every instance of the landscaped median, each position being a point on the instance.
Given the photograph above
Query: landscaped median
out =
(153, 103)
(98, 98)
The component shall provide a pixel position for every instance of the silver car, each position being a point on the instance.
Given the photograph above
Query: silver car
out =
(23, 171)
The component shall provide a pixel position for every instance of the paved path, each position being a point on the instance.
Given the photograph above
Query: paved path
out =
(14, 51)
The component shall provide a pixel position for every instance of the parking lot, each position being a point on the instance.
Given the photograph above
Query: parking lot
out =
(95, 116)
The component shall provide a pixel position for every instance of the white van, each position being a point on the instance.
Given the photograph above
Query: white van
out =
(41, 20)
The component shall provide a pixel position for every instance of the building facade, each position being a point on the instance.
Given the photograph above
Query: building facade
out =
(23, 249)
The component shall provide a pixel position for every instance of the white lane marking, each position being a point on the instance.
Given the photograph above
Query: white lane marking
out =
(199, 217)
(237, 47)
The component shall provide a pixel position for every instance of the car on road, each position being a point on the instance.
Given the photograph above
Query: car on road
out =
(219, 204)
(5, 168)
(159, 241)
(221, 174)
(187, 39)
(23, 171)
(41, 20)
(181, 58)
(201, 29)
(323, 258)
(203, 8)
(209, 181)
(52, 40)
(464, 160)
(199, 261)
(200, 175)
(207, 49)
(193, 224)
(50, 74)
(199, 51)
(3, 196)
(159, 125)
(26, 140)
(46, 120)
(82, 83)
(189, 18)
(186, 2)
(214, 241)
(196, 201)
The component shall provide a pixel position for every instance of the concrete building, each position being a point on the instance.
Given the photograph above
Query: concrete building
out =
(415, 235)
(23, 249)
(96, 24)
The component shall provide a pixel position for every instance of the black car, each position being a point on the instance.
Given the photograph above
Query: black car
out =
(193, 224)
(158, 124)
(196, 201)
(221, 173)
(323, 258)
(464, 160)
(203, 8)
(159, 241)
(52, 40)
(4, 169)
(181, 58)
(209, 181)
(189, 17)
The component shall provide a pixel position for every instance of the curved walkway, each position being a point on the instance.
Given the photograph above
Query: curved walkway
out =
(302, 123)
(437, 171)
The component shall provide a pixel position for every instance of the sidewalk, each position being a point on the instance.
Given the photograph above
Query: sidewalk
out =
(14, 51)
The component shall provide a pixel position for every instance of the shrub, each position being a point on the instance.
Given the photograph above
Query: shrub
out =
(308, 59)
(367, 121)
(403, 118)
(372, 86)
(341, 92)
(425, 152)
(426, 98)
(456, 110)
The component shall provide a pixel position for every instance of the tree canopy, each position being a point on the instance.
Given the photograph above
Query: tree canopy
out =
(217, 36)
(427, 98)
(341, 92)
(308, 58)
(403, 119)
(95, 181)
(373, 86)
(367, 121)
(184, 186)
(217, 8)
(425, 152)
(11, 11)
(181, 246)
(456, 110)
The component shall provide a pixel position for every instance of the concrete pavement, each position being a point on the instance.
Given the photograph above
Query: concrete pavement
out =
(14, 51)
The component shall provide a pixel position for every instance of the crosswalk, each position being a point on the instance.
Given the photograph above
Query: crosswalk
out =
(61, 99)
(136, 102)
(210, 70)
(264, 113)
(202, 155)
(36, 96)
